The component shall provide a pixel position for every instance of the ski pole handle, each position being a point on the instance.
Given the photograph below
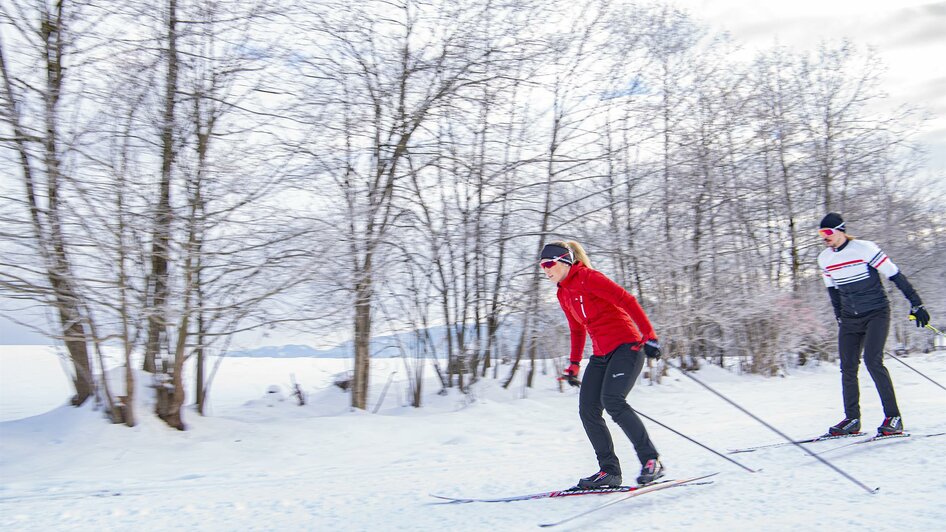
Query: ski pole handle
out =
(928, 326)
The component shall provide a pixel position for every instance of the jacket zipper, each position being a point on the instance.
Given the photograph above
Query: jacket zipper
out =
(581, 302)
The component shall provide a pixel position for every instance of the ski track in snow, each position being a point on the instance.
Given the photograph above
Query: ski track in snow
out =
(262, 464)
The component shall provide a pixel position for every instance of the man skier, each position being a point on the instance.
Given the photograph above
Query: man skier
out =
(851, 270)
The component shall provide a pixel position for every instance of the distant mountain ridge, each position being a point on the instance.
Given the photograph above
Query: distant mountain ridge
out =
(289, 351)
(381, 347)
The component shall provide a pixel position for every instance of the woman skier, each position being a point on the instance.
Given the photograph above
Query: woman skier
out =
(619, 330)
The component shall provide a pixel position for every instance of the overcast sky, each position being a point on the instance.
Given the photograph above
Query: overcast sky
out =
(909, 36)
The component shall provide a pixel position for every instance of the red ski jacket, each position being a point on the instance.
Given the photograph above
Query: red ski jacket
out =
(600, 307)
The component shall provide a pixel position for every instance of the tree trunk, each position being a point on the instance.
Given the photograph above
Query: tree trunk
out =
(46, 222)
(363, 296)
(160, 245)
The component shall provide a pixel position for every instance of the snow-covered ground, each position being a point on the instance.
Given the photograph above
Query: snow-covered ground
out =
(261, 463)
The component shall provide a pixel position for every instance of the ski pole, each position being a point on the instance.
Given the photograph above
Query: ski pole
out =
(773, 429)
(920, 373)
(928, 326)
(684, 436)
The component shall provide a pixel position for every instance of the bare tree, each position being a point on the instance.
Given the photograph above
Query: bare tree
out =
(43, 41)
(388, 69)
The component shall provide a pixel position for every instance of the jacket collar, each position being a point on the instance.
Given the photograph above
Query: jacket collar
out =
(844, 245)
(572, 274)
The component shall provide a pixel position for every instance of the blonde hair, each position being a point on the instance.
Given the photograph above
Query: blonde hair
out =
(576, 249)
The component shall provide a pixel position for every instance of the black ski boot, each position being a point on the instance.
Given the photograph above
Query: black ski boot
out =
(601, 479)
(651, 471)
(891, 426)
(845, 427)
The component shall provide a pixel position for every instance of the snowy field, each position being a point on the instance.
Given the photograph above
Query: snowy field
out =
(261, 463)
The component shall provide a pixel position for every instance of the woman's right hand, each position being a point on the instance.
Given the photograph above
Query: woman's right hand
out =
(570, 374)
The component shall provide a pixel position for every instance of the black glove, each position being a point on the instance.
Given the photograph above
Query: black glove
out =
(919, 314)
(652, 348)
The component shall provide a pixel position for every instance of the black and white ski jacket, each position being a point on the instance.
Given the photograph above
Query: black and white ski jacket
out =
(852, 275)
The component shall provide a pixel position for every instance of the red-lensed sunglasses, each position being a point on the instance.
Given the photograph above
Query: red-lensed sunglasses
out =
(546, 264)
(829, 231)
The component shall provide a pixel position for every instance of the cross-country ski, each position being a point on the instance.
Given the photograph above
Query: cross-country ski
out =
(570, 492)
(880, 438)
(642, 491)
(823, 437)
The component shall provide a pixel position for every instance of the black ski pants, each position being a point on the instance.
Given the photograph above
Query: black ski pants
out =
(605, 385)
(867, 333)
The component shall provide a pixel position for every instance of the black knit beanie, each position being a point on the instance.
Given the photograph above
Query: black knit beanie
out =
(832, 220)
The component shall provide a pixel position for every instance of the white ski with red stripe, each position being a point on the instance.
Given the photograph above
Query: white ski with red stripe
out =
(649, 488)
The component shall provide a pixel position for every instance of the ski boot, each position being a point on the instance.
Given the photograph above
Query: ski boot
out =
(891, 426)
(845, 427)
(601, 479)
(651, 471)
